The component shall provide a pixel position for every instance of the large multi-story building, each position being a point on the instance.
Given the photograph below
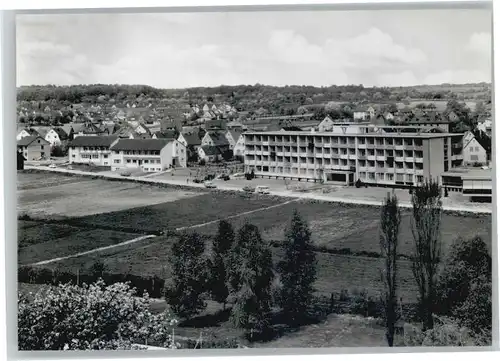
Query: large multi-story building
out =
(384, 155)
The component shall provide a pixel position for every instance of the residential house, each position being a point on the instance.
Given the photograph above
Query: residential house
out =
(239, 148)
(363, 113)
(87, 129)
(388, 116)
(26, 132)
(56, 136)
(190, 140)
(166, 134)
(473, 151)
(34, 148)
(142, 129)
(91, 150)
(209, 153)
(485, 127)
(42, 130)
(217, 139)
(206, 108)
(232, 137)
(151, 155)
(326, 124)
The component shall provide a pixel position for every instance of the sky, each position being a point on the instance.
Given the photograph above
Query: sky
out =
(319, 48)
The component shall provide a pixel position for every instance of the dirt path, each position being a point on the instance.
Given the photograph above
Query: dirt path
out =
(95, 250)
(142, 238)
(236, 215)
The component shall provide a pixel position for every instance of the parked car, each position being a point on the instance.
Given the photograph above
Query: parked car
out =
(249, 189)
(209, 184)
(226, 178)
(125, 173)
(262, 189)
(196, 180)
(52, 165)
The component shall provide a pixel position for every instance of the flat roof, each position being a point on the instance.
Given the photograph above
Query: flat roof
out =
(468, 173)
(361, 134)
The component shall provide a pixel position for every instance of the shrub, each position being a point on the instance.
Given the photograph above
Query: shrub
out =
(446, 332)
(65, 318)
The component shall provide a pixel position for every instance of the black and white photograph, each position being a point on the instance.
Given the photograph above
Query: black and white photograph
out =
(254, 179)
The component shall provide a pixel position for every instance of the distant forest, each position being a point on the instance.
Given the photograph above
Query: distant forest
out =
(249, 97)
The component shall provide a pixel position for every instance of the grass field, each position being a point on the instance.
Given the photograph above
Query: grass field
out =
(333, 226)
(59, 196)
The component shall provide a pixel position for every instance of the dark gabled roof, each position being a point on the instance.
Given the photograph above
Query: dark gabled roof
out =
(166, 134)
(141, 144)
(61, 133)
(211, 150)
(235, 134)
(42, 131)
(93, 141)
(138, 135)
(24, 142)
(191, 138)
(218, 138)
(30, 131)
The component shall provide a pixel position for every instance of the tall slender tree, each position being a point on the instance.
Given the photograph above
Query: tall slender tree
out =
(390, 220)
(190, 274)
(297, 270)
(220, 263)
(251, 279)
(426, 229)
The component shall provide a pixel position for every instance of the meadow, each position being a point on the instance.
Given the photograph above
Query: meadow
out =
(346, 238)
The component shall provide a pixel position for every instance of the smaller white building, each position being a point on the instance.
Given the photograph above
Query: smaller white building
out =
(232, 137)
(150, 155)
(473, 152)
(91, 150)
(326, 124)
(239, 147)
(56, 136)
(25, 132)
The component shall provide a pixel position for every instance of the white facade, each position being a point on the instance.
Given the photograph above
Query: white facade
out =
(474, 153)
(326, 125)
(239, 148)
(99, 156)
(170, 155)
(53, 138)
(22, 134)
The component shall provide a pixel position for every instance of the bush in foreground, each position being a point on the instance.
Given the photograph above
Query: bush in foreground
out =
(92, 317)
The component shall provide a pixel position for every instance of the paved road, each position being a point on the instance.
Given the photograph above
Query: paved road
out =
(312, 196)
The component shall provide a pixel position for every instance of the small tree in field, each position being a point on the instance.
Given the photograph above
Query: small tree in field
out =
(297, 270)
(426, 229)
(390, 219)
(222, 244)
(251, 279)
(189, 276)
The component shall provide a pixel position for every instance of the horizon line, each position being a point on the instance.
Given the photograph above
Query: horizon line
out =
(249, 85)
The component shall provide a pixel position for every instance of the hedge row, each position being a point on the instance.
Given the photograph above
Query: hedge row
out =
(37, 275)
